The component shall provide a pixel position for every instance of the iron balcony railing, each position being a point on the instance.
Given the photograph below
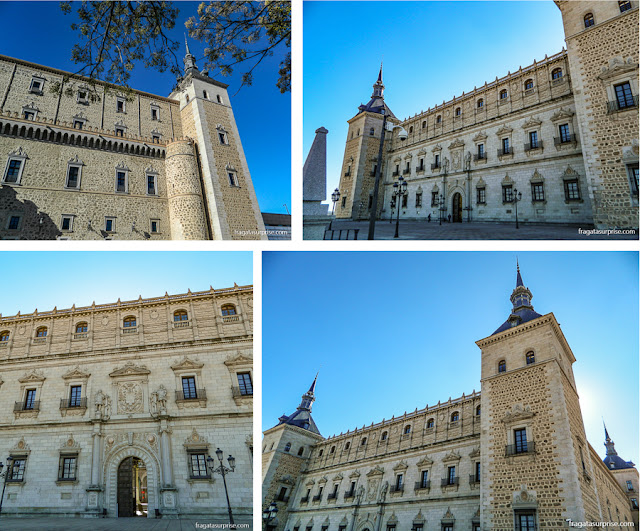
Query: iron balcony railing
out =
(332, 496)
(395, 173)
(423, 485)
(474, 479)
(613, 106)
(567, 139)
(535, 145)
(67, 403)
(505, 151)
(406, 171)
(480, 156)
(236, 391)
(396, 488)
(199, 394)
(349, 494)
(528, 447)
(447, 482)
(27, 406)
(435, 165)
(305, 499)
(420, 168)
(317, 497)
(281, 498)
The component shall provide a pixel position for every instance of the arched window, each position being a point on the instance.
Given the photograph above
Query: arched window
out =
(458, 111)
(424, 124)
(430, 423)
(624, 5)
(502, 366)
(531, 357)
(4, 336)
(384, 435)
(528, 84)
(81, 327)
(180, 315)
(333, 450)
(187, 96)
(358, 133)
(320, 452)
(556, 73)
(589, 20)
(347, 446)
(439, 119)
(228, 309)
(218, 98)
(287, 447)
(478, 411)
(503, 94)
(410, 129)
(301, 450)
(363, 441)
(205, 95)
(407, 429)
(455, 416)
(480, 103)
(129, 322)
(41, 332)
(372, 131)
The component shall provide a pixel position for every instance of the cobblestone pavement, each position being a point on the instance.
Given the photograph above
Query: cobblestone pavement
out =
(423, 230)
(104, 524)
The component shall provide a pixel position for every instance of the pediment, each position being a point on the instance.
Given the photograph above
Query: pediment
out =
(402, 465)
(408, 156)
(475, 452)
(397, 159)
(32, 376)
(239, 361)
(130, 369)
(448, 516)
(354, 475)
(70, 444)
(21, 446)
(287, 480)
(531, 123)
(376, 471)
(338, 477)
(323, 480)
(20, 152)
(451, 456)
(76, 160)
(537, 176)
(419, 518)
(480, 137)
(618, 66)
(481, 183)
(518, 412)
(437, 147)
(562, 114)
(425, 461)
(507, 179)
(393, 518)
(195, 439)
(504, 130)
(457, 143)
(435, 188)
(76, 374)
(570, 172)
(310, 482)
(422, 152)
(187, 364)
(420, 189)
(122, 166)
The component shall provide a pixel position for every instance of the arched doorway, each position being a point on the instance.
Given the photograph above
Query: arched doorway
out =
(456, 207)
(132, 488)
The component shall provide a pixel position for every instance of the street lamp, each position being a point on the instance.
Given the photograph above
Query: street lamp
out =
(5, 474)
(269, 514)
(399, 192)
(517, 196)
(335, 197)
(402, 135)
(223, 471)
(392, 206)
(441, 202)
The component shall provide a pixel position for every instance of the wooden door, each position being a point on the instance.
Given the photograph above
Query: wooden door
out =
(457, 208)
(126, 494)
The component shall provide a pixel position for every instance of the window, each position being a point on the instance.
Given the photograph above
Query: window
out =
(67, 468)
(154, 113)
(404, 200)
(634, 503)
(75, 396)
(407, 429)
(187, 97)
(222, 137)
(370, 202)
(152, 182)
(82, 96)
(180, 315)
(154, 226)
(228, 309)
(481, 152)
(233, 181)
(410, 129)
(624, 98)
(455, 416)
(430, 423)
(481, 196)
(344, 202)
(624, 5)
(434, 199)
(399, 481)
(4, 336)
(119, 131)
(458, 111)
(478, 410)
(502, 366)
(437, 160)
(477, 471)
(347, 445)
(29, 115)
(81, 327)
(363, 441)
(189, 387)
(556, 73)
(333, 450)
(36, 85)
(525, 521)
(109, 224)
(571, 190)
(320, 454)
(565, 136)
(218, 98)
(533, 139)
(287, 447)
(520, 437)
(14, 223)
(244, 383)
(537, 191)
(16, 472)
(424, 124)
(155, 138)
(418, 199)
(30, 399)
(198, 466)
(506, 149)
(67, 223)
(480, 103)
(588, 20)
(73, 176)
(451, 475)
(507, 193)
(629, 485)
(447, 527)
(384, 436)
(120, 102)
(129, 322)
(424, 479)
(528, 84)
(41, 332)
(439, 119)
(301, 450)
(78, 124)
(371, 131)
(421, 167)
(391, 527)
(121, 182)
(633, 179)
(13, 173)
(503, 94)
(531, 357)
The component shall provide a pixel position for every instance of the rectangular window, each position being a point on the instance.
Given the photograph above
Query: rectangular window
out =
(424, 479)
(154, 113)
(156, 139)
(67, 468)
(17, 469)
(634, 503)
(417, 527)
(67, 223)
(564, 133)
(391, 527)
(447, 527)
(478, 471)
(399, 481)
(119, 131)
(189, 387)
(437, 161)
(222, 137)
(370, 201)
(505, 146)
(73, 177)
(481, 151)
(434, 199)
(120, 105)
(421, 167)
(624, 98)
(121, 181)
(571, 190)
(198, 465)
(629, 485)
(525, 521)
(29, 115)
(404, 200)
(151, 184)
(155, 226)
(30, 399)
(232, 179)
(36, 86)
(344, 202)
(507, 193)
(13, 171)
(451, 475)
(633, 179)
(244, 383)
(537, 191)
(110, 224)
(520, 438)
(78, 124)
(82, 96)
(533, 139)
(418, 199)
(624, 5)
(75, 396)
(481, 196)
(14, 223)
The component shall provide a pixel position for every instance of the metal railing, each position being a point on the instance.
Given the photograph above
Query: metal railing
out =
(420, 168)
(528, 447)
(474, 479)
(67, 403)
(448, 482)
(27, 406)
(305, 499)
(236, 391)
(395, 174)
(200, 394)
(230, 318)
(506, 151)
(531, 147)
(340, 231)
(568, 139)
(435, 165)
(332, 496)
(396, 488)
(480, 156)
(281, 498)
(614, 106)
(406, 171)
(181, 324)
(81, 335)
(317, 497)
(420, 485)
(349, 494)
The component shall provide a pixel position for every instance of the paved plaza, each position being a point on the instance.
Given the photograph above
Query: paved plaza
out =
(423, 230)
(110, 524)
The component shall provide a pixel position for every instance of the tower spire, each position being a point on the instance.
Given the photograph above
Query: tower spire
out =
(186, 44)
(378, 87)
(309, 397)
(189, 59)
(609, 444)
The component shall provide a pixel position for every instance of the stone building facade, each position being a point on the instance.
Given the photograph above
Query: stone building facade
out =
(103, 162)
(113, 409)
(513, 456)
(562, 132)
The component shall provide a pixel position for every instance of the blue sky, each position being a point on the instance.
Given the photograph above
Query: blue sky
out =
(71, 277)
(432, 51)
(391, 332)
(269, 156)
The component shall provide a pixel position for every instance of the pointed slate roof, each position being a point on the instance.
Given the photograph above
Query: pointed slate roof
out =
(302, 416)
(613, 460)
(522, 311)
(376, 103)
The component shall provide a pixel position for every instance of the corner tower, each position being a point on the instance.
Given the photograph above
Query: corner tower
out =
(536, 461)
(286, 449)
(361, 156)
(207, 117)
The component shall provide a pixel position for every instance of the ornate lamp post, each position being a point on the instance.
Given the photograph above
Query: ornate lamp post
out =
(335, 197)
(5, 474)
(392, 206)
(270, 514)
(399, 192)
(442, 207)
(223, 471)
(517, 196)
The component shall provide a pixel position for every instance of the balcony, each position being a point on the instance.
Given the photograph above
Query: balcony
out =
(422, 485)
(348, 494)
(332, 496)
(559, 80)
(237, 392)
(130, 330)
(230, 318)
(181, 324)
(396, 488)
(406, 171)
(435, 166)
(281, 498)
(420, 169)
(473, 479)
(76, 406)
(347, 174)
(614, 106)
(395, 174)
(534, 146)
(567, 139)
(529, 92)
(449, 482)
(317, 498)
(304, 500)
(197, 399)
(506, 152)
(37, 340)
(527, 448)
(80, 335)
(26, 406)
(4, 344)
(480, 156)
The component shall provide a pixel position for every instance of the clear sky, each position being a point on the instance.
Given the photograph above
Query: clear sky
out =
(392, 332)
(45, 280)
(432, 51)
(49, 43)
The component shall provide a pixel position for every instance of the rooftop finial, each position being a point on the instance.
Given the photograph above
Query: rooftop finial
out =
(380, 74)
(186, 44)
